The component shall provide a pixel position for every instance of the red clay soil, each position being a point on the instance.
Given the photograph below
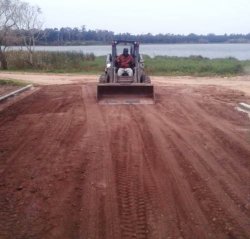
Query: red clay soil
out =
(70, 168)
(4, 90)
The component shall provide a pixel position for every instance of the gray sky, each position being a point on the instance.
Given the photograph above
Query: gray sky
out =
(149, 16)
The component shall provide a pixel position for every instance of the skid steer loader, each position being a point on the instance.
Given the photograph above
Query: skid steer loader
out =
(125, 89)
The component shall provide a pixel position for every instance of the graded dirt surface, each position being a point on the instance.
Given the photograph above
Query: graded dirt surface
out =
(71, 168)
(4, 90)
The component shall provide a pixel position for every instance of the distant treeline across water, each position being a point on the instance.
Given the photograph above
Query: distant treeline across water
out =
(78, 36)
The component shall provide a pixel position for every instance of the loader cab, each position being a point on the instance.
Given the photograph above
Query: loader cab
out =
(118, 46)
(112, 67)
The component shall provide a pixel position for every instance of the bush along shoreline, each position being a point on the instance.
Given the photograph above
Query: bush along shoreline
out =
(78, 62)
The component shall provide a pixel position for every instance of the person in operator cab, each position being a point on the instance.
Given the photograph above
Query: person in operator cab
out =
(125, 62)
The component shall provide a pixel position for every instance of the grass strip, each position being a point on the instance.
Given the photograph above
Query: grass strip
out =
(78, 62)
(10, 82)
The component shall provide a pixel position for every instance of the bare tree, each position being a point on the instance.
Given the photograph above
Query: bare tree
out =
(30, 25)
(8, 9)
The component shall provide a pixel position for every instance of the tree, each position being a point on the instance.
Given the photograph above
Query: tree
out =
(30, 26)
(8, 10)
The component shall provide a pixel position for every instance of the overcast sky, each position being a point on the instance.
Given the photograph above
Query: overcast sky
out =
(149, 16)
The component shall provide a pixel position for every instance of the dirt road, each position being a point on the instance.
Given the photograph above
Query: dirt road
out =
(70, 168)
(241, 83)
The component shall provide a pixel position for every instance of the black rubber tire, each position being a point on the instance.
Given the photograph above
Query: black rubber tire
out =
(145, 79)
(104, 78)
(107, 78)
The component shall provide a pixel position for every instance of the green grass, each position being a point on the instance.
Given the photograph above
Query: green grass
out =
(75, 62)
(10, 82)
(197, 66)
(246, 67)
(56, 62)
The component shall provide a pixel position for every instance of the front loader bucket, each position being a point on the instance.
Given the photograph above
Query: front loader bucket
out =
(125, 94)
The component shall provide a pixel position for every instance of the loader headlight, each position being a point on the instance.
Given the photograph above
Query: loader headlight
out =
(108, 65)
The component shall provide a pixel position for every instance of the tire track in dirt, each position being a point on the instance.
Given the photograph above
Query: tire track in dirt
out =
(71, 168)
(129, 189)
(180, 155)
(219, 160)
(153, 183)
(99, 211)
(239, 176)
(176, 211)
(209, 147)
(46, 144)
(136, 192)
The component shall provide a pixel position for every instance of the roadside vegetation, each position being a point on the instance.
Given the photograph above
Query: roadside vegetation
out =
(20, 24)
(56, 62)
(195, 65)
(10, 82)
(77, 62)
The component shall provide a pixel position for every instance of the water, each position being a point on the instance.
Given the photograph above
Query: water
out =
(239, 51)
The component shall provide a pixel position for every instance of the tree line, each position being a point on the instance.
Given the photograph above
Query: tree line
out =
(78, 36)
(21, 24)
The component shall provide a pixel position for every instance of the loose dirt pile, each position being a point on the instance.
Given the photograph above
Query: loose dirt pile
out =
(70, 168)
